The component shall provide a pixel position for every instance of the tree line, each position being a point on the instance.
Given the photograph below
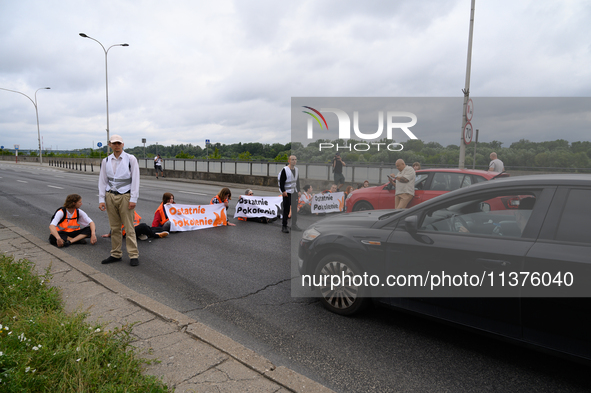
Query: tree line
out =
(524, 153)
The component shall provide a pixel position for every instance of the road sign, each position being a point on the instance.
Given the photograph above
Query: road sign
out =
(99, 144)
(468, 132)
(16, 147)
(207, 142)
(469, 110)
(1, 147)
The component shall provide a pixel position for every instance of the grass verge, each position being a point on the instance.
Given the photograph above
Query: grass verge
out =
(44, 349)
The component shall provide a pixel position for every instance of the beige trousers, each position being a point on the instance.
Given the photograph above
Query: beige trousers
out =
(119, 213)
(401, 200)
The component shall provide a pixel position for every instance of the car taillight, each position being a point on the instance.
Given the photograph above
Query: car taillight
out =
(510, 202)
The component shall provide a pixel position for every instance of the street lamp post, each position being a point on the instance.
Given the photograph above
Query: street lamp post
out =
(106, 80)
(37, 114)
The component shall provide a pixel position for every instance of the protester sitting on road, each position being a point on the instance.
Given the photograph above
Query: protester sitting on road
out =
(333, 189)
(305, 201)
(142, 230)
(224, 197)
(70, 224)
(263, 220)
(161, 221)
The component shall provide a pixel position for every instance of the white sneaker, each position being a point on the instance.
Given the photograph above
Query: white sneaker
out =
(162, 234)
(143, 237)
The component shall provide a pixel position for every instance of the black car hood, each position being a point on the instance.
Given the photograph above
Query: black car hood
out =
(363, 219)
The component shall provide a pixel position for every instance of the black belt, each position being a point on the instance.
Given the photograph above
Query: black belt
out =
(118, 193)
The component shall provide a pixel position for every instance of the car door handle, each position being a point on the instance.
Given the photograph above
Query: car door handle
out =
(493, 263)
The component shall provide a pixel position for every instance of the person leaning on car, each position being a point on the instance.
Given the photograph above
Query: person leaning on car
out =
(405, 184)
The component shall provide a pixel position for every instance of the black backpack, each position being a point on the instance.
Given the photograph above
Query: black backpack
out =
(63, 209)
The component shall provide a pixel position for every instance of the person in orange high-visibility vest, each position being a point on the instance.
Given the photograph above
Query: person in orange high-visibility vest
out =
(161, 221)
(70, 224)
(223, 197)
(142, 231)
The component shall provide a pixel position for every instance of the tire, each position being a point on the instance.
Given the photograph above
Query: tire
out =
(344, 299)
(362, 205)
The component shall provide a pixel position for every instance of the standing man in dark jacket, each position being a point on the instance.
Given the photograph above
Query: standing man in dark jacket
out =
(289, 184)
(337, 169)
(119, 189)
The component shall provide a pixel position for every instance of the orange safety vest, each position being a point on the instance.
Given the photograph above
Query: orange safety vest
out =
(213, 199)
(136, 222)
(69, 224)
(162, 214)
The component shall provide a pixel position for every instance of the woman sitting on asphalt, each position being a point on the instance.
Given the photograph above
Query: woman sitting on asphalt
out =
(70, 224)
(223, 197)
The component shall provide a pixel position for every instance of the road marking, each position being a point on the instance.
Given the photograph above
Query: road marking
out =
(194, 193)
(22, 181)
(61, 188)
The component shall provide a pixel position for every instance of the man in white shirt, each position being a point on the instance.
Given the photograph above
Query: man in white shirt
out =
(405, 184)
(119, 186)
(495, 165)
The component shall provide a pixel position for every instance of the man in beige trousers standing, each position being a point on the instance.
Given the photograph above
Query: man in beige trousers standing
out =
(119, 186)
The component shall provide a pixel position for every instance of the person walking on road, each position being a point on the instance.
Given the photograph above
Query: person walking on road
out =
(495, 165)
(158, 165)
(119, 188)
(289, 184)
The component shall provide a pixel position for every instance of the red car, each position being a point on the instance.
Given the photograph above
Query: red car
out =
(429, 183)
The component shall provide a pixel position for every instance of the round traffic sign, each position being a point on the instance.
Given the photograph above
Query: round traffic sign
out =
(469, 110)
(99, 144)
(468, 132)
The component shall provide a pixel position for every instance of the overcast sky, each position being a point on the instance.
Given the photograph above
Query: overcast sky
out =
(226, 70)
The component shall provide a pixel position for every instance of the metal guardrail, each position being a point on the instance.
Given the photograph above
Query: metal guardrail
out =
(357, 173)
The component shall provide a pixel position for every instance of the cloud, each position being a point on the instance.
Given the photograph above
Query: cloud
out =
(227, 70)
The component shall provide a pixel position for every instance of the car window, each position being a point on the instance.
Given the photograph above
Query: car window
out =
(479, 179)
(467, 181)
(444, 181)
(421, 181)
(484, 215)
(575, 218)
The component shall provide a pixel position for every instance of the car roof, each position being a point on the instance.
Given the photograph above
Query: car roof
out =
(563, 179)
(457, 170)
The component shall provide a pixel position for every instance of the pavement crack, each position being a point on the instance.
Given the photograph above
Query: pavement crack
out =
(240, 297)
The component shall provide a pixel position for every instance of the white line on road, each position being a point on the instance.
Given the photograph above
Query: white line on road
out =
(194, 193)
(22, 181)
(61, 188)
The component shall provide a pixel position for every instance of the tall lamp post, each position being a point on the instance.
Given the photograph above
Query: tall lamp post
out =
(37, 114)
(106, 80)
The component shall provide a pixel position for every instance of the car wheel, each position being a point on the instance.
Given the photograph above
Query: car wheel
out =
(344, 299)
(360, 206)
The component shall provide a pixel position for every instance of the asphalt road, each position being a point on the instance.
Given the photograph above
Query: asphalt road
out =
(237, 280)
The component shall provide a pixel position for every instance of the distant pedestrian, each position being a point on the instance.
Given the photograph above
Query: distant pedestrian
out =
(495, 165)
(337, 169)
(289, 184)
(158, 165)
(416, 166)
(365, 184)
(119, 190)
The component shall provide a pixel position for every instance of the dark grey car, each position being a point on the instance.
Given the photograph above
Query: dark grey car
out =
(516, 254)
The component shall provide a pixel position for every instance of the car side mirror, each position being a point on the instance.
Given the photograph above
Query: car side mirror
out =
(411, 224)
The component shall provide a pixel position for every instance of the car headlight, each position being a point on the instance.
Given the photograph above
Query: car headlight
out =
(310, 234)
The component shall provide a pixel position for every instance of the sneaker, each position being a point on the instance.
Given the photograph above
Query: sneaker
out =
(284, 230)
(67, 243)
(162, 234)
(143, 237)
(134, 261)
(296, 228)
(111, 259)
